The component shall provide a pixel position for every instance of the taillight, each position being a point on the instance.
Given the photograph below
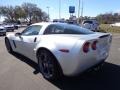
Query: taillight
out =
(86, 47)
(94, 45)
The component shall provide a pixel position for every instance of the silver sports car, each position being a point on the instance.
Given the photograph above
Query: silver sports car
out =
(60, 48)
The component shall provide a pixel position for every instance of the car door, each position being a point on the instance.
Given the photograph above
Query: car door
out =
(29, 39)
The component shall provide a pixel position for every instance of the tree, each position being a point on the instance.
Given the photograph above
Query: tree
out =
(45, 16)
(33, 12)
(108, 18)
(19, 13)
(7, 12)
(28, 11)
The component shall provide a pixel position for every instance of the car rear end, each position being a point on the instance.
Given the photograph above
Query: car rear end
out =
(10, 29)
(93, 52)
(91, 25)
(89, 51)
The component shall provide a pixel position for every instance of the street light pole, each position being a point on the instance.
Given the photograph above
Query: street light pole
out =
(78, 10)
(48, 12)
(82, 11)
(59, 9)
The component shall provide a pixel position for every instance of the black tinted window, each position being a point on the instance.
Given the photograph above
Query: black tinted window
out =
(66, 29)
(73, 29)
(54, 29)
(90, 22)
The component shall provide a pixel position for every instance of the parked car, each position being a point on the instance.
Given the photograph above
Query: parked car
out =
(59, 20)
(115, 24)
(91, 24)
(9, 27)
(2, 31)
(16, 26)
(60, 48)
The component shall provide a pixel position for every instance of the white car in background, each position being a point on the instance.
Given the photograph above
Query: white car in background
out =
(2, 31)
(60, 48)
(115, 24)
(9, 27)
(91, 25)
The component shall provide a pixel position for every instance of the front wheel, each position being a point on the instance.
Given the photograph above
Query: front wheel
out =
(4, 34)
(12, 30)
(8, 46)
(48, 65)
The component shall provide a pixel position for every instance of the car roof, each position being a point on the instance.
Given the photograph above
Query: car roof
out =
(42, 23)
(45, 24)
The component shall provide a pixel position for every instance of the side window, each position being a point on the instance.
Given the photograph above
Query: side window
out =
(32, 30)
(49, 29)
(54, 29)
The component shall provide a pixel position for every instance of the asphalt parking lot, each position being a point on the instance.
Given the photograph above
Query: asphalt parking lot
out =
(19, 73)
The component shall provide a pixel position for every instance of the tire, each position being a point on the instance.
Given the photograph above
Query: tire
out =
(8, 46)
(48, 65)
(12, 30)
(4, 34)
(99, 67)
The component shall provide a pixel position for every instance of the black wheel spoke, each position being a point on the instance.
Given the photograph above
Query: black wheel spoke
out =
(8, 46)
(46, 65)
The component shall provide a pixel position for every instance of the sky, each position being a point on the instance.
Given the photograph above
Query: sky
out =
(90, 7)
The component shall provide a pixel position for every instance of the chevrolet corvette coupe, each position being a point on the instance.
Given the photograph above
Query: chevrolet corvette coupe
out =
(60, 48)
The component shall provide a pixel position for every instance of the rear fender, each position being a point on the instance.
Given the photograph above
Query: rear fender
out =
(52, 49)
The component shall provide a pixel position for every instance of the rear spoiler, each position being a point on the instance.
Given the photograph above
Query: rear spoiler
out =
(104, 36)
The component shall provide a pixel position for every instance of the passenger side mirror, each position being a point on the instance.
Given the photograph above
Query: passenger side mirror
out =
(17, 34)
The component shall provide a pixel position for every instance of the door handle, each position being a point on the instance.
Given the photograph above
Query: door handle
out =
(35, 39)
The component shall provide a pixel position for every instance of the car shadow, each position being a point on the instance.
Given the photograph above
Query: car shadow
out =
(106, 79)
(27, 61)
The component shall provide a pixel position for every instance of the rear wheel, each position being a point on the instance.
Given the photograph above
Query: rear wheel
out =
(4, 34)
(99, 67)
(48, 65)
(8, 46)
(12, 30)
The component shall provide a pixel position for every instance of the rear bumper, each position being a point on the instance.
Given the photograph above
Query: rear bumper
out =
(75, 64)
(9, 29)
(1, 33)
(86, 65)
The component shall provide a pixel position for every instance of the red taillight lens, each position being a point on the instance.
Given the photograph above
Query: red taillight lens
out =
(94, 45)
(86, 47)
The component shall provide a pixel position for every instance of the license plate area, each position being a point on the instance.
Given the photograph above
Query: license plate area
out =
(102, 53)
(103, 42)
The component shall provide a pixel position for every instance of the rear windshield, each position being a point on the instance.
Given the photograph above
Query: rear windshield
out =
(66, 29)
(72, 29)
(90, 22)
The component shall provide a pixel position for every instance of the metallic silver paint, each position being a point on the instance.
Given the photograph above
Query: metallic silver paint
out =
(72, 63)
